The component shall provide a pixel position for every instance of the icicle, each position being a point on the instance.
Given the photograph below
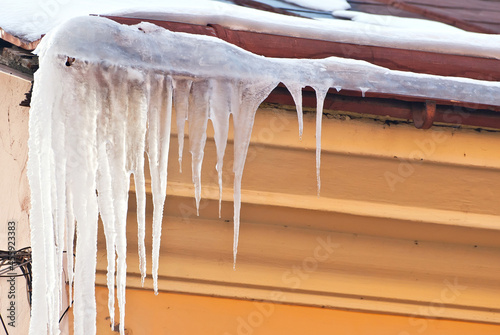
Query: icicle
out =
(70, 240)
(198, 113)
(130, 158)
(158, 144)
(136, 145)
(38, 124)
(296, 91)
(222, 103)
(363, 91)
(182, 87)
(93, 137)
(252, 95)
(81, 136)
(58, 174)
(320, 100)
(105, 176)
(140, 187)
(105, 201)
(140, 190)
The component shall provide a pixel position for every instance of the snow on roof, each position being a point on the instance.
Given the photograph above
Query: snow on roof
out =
(395, 21)
(47, 15)
(326, 5)
(30, 19)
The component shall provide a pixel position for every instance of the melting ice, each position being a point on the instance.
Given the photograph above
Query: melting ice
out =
(104, 96)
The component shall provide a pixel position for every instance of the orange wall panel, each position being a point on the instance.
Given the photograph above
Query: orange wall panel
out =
(179, 314)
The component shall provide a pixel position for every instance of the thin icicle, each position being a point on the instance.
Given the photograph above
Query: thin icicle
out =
(70, 240)
(182, 87)
(296, 92)
(158, 144)
(136, 145)
(105, 177)
(222, 103)
(105, 201)
(320, 100)
(198, 113)
(140, 187)
(363, 91)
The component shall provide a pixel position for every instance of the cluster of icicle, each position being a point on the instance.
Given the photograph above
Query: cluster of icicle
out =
(104, 96)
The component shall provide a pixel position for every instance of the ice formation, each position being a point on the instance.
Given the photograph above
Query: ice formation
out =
(104, 96)
(325, 5)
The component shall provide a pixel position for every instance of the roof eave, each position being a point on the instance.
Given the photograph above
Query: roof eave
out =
(387, 105)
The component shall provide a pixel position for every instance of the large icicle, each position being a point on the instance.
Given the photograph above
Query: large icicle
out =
(158, 144)
(223, 102)
(81, 179)
(252, 95)
(198, 112)
(98, 105)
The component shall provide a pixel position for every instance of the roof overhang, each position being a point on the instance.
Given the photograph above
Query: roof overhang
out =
(406, 108)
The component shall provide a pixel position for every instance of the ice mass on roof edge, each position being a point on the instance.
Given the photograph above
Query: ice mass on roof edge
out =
(90, 138)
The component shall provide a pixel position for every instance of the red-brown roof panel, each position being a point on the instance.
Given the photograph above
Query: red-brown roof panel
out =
(375, 7)
(453, 4)
(472, 15)
(450, 15)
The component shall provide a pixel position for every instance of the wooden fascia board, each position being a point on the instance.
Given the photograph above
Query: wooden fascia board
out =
(363, 273)
(393, 107)
(400, 252)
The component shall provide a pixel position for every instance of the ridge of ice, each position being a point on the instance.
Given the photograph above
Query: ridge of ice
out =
(124, 82)
(324, 5)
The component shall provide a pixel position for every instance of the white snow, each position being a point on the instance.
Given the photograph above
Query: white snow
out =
(30, 19)
(324, 5)
(248, 19)
(396, 22)
(123, 83)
